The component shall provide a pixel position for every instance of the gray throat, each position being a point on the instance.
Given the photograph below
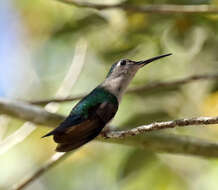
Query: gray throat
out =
(117, 86)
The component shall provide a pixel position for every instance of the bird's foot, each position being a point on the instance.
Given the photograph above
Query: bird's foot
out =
(105, 131)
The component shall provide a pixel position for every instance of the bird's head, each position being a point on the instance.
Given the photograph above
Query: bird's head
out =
(122, 72)
(126, 67)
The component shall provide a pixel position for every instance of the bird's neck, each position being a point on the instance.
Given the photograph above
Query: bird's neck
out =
(116, 86)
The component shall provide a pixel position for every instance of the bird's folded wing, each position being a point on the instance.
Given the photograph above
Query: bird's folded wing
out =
(81, 133)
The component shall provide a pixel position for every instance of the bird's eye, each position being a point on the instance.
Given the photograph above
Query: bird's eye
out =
(123, 62)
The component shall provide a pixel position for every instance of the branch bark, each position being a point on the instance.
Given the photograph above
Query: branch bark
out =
(143, 88)
(153, 142)
(28, 112)
(161, 125)
(158, 9)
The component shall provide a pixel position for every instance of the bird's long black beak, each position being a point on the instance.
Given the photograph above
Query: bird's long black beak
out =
(152, 59)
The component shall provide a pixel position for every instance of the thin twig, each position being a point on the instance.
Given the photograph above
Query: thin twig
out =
(143, 88)
(162, 125)
(58, 100)
(55, 159)
(17, 137)
(159, 9)
(175, 83)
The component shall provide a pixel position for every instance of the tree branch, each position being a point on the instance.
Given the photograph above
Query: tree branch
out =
(158, 9)
(58, 100)
(143, 88)
(173, 83)
(25, 111)
(55, 159)
(153, 142)
(161, 125)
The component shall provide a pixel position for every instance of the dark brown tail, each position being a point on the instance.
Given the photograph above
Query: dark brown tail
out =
(76, 143)
(78, 135)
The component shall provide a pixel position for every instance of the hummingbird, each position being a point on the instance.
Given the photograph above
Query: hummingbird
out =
(92, 113)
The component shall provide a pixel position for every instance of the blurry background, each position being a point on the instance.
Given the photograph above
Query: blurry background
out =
(43, 41)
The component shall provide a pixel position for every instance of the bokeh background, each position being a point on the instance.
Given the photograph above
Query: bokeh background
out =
(43, 41)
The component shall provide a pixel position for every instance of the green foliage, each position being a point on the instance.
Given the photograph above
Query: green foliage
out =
(135, 162)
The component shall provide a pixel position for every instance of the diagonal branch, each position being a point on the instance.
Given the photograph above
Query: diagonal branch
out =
(59, 100)
(55, 159)
(153, 142)
(143, 88)
(158, 9)
(28, 112)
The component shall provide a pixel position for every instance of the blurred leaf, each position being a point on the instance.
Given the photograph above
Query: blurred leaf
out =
(135, 161)
(115, 53)
(210, 105)
(137, 22)
(83, 23)
(157, 177)
(156, 92)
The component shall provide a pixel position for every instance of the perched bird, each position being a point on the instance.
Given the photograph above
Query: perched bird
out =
(94, 111)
